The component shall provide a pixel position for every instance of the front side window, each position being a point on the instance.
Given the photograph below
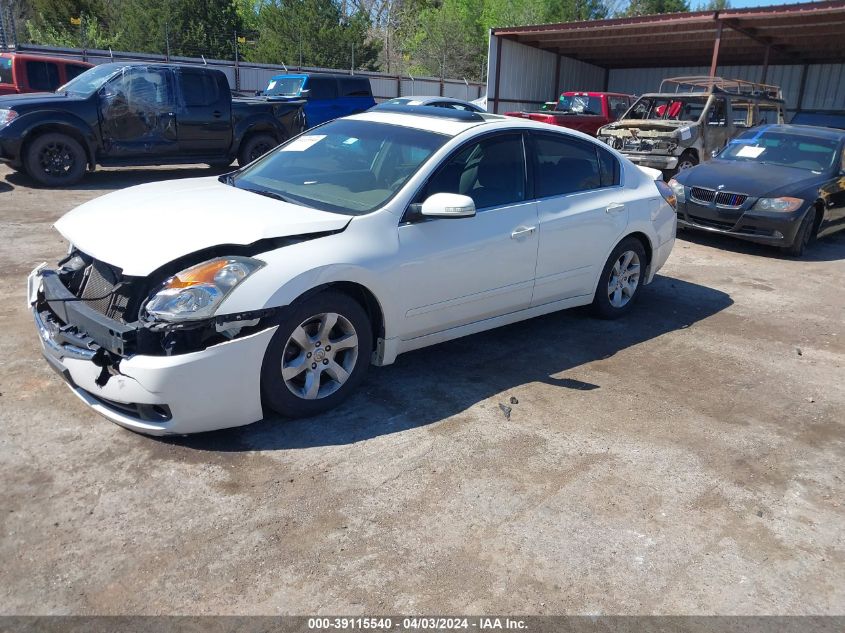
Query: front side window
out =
(345, 166)
(42, 76)
(565, 165)
(491, 172)
(322, 87)
(72, 71)
(618, 106)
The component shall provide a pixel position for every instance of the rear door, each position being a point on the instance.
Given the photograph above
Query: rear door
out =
(204, 112)
(582, 213)
(323, 104)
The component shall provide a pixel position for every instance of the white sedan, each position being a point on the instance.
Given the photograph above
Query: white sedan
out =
(201, 304)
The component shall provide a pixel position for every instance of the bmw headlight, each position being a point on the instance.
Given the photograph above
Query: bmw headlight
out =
(678, 188)
(779, 205)
(196, 292)
(7, 116)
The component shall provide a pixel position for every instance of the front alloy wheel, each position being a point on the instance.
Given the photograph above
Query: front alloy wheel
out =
(318, 355)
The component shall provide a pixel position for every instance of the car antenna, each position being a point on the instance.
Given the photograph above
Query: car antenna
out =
(203, 59)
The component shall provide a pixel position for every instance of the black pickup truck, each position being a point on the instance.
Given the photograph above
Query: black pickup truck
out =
(139, 114)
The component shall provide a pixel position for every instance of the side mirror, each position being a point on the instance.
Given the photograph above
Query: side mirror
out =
(448, 205)
(714, 152)
(304, 94)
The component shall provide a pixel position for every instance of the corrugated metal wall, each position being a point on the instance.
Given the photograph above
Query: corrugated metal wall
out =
(526, 78)
(255, 76)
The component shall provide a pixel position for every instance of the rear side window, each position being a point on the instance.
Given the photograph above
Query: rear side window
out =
(6, 71)
(74, 70)
(199, 88)
(322, 87)
(564, 165)
(42, 76)
(355, 87)
(617, 106)
(609, 166)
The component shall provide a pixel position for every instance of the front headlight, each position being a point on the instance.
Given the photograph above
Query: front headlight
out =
(7, 116)
(196, 292)
(778, 205)
(678, 188)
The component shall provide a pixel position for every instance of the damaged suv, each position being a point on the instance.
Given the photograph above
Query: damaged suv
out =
(195, 305)
(678, 128)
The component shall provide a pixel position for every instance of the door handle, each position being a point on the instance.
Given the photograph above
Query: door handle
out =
(615, 207)
(216, 114)
(521, 231)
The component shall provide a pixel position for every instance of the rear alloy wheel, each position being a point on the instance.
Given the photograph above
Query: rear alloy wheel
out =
(318, 356)
(55, 160)
(620, 279)
(255, 147)
(804, 235)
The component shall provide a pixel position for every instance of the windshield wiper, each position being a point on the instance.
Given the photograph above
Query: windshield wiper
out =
(276, 196)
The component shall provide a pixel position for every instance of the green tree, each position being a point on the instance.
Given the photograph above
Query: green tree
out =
(649, 7)
(313, 33)
(448, 40)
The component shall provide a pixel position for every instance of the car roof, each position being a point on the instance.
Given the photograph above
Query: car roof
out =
(807, 130)
(428, 99)
(327, 75)
(452, 123)
(44, 58)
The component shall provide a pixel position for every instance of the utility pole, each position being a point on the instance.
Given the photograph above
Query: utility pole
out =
(166, 40)
(3, 43)
(237, 69)
(352, 72)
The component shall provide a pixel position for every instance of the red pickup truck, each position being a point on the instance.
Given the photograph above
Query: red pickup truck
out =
(21, 73)
(582, 111)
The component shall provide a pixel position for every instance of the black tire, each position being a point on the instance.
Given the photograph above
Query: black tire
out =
(687, 160)
(255, 146)
(275, 390)
(603, 305)
(55, 160)
(804, 235)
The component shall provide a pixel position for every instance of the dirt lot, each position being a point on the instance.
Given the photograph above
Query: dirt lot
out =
(687, 459)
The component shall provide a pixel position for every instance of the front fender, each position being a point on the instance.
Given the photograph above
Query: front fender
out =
(28, 126)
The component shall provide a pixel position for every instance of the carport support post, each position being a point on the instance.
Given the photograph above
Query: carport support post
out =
(715, 60)
(765, 65)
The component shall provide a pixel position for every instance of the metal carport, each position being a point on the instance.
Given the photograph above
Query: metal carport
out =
(800, 47)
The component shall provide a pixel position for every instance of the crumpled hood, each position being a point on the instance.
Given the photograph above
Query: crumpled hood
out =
(141, 228)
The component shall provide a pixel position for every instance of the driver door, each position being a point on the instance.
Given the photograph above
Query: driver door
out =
(137, 113)
(468, 269)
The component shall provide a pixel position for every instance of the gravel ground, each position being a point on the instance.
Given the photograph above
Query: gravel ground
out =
(684, 460)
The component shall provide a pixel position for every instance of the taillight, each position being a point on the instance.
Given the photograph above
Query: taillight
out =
(667, 192)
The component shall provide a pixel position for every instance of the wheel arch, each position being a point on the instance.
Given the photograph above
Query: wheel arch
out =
(360, 293)
(59, 127)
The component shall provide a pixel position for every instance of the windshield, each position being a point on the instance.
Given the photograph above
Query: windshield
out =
(284, 86)
(346, 166)
(90, 81)
(6, 70)
(579, 104)
(667, 108)
(779, 148)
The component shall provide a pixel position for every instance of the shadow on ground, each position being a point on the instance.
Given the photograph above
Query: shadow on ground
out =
(826, 249)
(432, 384)
(110, 179)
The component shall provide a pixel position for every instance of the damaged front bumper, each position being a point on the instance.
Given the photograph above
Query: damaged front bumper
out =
(213, 388)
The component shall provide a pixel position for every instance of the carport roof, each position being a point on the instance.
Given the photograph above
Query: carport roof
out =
(793, 34)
